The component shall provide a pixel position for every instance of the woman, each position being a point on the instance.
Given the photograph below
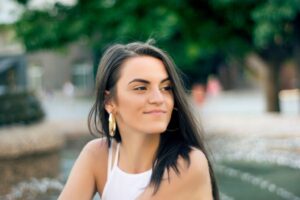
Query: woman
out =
(151, 147)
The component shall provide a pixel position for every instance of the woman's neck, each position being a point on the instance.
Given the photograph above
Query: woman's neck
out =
(137, 152)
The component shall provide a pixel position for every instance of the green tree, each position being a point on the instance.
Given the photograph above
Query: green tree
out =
(271, 29)
(192, 32)
(276, 38)
(200, 35)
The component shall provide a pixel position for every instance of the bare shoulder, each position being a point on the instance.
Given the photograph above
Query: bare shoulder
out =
(96, 154)
(194, 172)
(195, 177)
(192, 182)
(96, 148)
(87, 169)
(198, 164)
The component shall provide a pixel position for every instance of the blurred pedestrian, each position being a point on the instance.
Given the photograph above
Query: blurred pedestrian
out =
(213, 86)
(68, 89)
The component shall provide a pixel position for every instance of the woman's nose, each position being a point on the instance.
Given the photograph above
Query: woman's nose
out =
(156, 97)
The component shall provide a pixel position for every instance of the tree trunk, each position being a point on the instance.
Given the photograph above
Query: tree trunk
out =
(273, 87)
(269, 76)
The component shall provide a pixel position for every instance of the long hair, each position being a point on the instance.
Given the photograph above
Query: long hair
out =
(183, 131)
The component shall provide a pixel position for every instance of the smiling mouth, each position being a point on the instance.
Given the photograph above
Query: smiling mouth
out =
(156, 112)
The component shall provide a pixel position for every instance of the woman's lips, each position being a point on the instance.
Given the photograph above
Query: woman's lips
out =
(155, 112)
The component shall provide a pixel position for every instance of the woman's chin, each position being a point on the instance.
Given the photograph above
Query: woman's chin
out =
(157, 130)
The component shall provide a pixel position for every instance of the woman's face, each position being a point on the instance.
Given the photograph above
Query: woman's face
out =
(144, 99)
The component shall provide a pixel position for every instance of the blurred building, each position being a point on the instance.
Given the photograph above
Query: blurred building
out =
(53, 70)
(45, 71)
(12, 73)
(12, 62)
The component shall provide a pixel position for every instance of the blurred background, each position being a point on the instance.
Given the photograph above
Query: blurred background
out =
(241, 61)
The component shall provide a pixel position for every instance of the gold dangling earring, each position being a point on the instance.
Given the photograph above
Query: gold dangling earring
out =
(111, 125)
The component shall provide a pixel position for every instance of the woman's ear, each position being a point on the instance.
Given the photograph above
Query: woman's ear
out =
(109, 105)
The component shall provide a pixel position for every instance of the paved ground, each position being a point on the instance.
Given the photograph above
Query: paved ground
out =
(243, 114)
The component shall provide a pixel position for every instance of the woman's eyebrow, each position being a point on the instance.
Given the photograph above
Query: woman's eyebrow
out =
(166, 79)
(146, 81)
(139, 80)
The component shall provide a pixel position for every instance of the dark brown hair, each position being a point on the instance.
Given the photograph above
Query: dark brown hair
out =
(173, 144)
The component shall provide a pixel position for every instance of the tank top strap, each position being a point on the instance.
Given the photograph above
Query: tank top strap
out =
(109, 161)
(117, 155)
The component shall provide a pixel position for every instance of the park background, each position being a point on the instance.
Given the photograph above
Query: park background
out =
(241, 61)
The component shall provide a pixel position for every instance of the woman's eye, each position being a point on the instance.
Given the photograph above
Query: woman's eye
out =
(140, 88)
(167, 88)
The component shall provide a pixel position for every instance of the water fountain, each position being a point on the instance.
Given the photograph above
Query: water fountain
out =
(269, 165)
(265, 167)
(27, 177)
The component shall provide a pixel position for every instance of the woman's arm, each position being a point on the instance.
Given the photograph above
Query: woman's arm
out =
(81, 183)
(193, 183)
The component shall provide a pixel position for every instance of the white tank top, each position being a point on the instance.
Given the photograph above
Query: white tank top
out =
(121, 185)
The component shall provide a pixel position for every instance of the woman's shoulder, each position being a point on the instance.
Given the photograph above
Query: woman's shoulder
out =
(198, 161)
(197, 168)
(89, 169)
(95, 155)
(94, 152)
(96, 147)
(192, 181)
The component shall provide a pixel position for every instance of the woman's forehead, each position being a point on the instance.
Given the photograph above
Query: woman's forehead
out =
(143, 67)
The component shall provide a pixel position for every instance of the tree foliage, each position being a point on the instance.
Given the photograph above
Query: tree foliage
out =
(195, 33)
(275, 22)
(198, 34)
